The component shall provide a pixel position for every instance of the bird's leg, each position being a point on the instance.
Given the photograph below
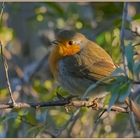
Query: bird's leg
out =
(67, 99)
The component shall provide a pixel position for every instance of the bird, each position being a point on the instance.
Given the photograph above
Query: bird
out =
(77, 62)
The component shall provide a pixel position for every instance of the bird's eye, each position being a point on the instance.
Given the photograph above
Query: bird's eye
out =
(70, 42)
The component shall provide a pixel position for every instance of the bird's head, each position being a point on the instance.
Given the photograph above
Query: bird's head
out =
(69, 42)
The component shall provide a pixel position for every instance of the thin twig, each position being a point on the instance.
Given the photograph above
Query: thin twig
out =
(72, 120)
(5, 62)
(124, 16)
(132, 119)
(134, 107)
(99, 116)
(1, 13)
(136, 32)
(136, 82)
(7, 76)
(94, 128)
(137, 44)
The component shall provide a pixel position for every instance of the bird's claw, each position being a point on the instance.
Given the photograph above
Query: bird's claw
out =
(68, 107)
(93, 104)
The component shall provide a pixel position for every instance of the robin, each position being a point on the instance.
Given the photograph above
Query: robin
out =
(77, 62)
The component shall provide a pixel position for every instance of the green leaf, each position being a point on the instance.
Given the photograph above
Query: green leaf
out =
(129, 52)
(118, 89)
(92, 87)
(136, 17)
(34, 131)
(107, 99)
(137, 67)
(31, 118)
(11, 115)
(56, 8)
(113, 99)
(125, 90)
(117, 71)
(100, 39)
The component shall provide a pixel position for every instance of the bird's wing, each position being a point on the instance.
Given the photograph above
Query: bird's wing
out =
(92, 63)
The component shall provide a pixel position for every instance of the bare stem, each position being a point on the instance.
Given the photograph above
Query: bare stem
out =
(7, 76)
(63, 102)
(132, 120)
(1, 13)
(5, 62)
(124, 16)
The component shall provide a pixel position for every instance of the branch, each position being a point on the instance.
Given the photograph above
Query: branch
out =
(134, 110)
(136, 82)
(68, 125)
(134, 107)
(5, 62)
(7, 76)
(124, 16)
(136, 32)
(63, 102)
(1, 13)
(137, 44)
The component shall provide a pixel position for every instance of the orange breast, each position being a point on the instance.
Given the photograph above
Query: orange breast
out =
(59, 52)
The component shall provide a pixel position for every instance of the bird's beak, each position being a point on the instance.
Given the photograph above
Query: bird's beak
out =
(55, 42)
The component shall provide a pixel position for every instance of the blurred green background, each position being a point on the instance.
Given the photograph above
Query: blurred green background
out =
(26, 32)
